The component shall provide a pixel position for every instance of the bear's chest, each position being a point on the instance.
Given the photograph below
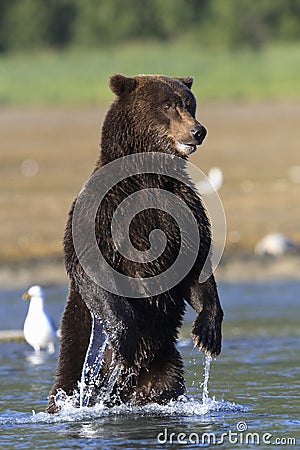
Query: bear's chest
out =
(142, 227)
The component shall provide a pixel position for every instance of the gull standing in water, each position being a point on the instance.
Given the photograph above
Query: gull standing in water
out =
(39, 329)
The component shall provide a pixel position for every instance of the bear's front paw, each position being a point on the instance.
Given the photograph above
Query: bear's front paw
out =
(206, 333)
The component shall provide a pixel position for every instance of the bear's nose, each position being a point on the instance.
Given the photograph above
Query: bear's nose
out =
(198, 133)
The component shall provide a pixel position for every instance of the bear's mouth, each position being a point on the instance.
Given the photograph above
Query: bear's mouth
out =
(186, 148)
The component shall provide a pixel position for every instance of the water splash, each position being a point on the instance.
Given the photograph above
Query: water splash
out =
(93, 361)
(182, 407)
(205, 392)
(117, 369)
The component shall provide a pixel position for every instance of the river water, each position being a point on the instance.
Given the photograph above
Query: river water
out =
(251, 400)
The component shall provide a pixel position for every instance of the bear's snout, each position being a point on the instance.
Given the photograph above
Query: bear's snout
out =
(198, 133)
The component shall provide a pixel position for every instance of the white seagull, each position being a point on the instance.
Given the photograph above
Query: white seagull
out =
(39, 329)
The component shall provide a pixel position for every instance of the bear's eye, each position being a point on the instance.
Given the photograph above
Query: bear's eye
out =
(167, 106)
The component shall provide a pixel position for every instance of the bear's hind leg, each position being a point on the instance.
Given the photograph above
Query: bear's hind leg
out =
(75, 336)
(164, 380)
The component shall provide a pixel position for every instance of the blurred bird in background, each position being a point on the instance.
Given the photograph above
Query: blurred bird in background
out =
(212, 183)
(39, 329)
(275, 244)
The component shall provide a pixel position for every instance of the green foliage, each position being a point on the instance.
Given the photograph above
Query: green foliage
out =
(81, 77)
(34, 24)
(23, 24)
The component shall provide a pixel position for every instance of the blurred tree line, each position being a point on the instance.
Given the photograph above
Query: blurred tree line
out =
(29, 24)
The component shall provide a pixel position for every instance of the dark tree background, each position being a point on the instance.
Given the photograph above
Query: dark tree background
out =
(33, 24)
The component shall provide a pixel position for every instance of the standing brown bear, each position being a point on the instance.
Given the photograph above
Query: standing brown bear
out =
(118, 347)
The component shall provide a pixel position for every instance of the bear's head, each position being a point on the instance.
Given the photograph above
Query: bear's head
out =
(152, 113)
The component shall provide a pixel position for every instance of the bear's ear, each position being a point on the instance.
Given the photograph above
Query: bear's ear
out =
(188, 81)
(121, 85)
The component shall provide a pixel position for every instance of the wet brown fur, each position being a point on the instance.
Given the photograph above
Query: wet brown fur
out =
(149, 114)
